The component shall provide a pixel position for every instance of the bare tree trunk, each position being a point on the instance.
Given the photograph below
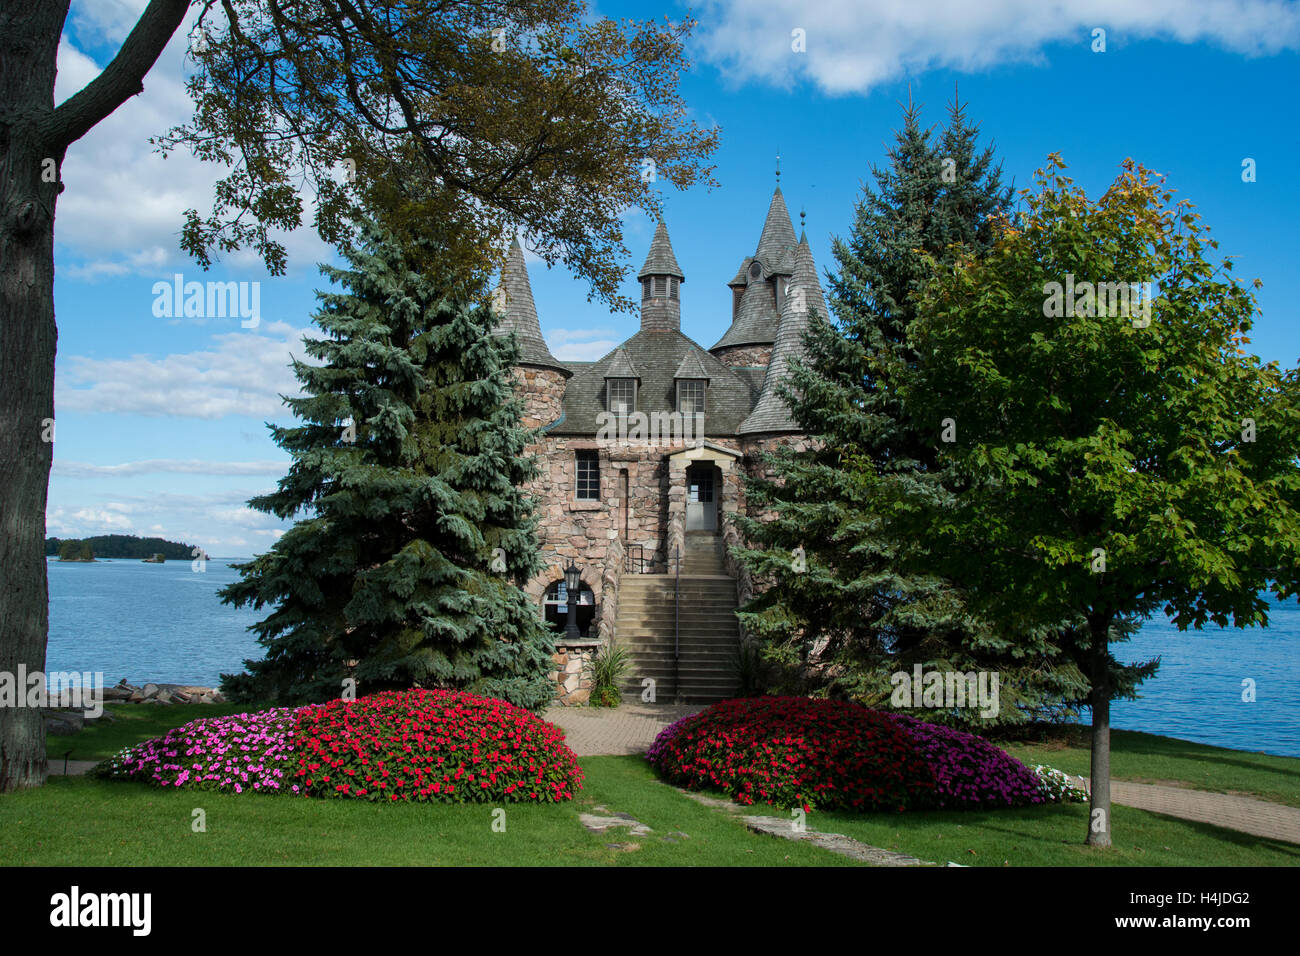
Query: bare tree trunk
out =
(33, 139)
(1099, 802)
(28, 190)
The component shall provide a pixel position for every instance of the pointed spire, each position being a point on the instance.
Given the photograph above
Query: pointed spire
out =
(778, 233)
(517, 312)
(661, 261)
(804, 295)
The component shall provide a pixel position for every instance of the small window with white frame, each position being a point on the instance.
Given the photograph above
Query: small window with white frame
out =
(621, 395)
(690, 395)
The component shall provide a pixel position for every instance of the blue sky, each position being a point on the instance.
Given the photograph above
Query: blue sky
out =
(160, 421)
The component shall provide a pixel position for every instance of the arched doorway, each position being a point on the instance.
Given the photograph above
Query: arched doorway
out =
(703, 484)
(555, 605)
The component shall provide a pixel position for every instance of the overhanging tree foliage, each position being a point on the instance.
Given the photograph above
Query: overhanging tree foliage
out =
(461, 119)
(407, 567)
(1122, 452)
(847, 607)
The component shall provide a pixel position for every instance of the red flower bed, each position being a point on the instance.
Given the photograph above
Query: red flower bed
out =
(431, 745)
(793, 751)
(830, 754)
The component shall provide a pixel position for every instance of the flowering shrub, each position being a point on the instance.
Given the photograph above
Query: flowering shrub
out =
(398, 745)
(795, 751)
(240, 752)
(1057, 787)
(968, 770)
(432, 745)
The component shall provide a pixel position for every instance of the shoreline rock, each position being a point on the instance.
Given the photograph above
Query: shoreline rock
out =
(63, 719)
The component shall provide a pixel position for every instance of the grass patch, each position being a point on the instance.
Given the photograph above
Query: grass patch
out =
(1149, 758)
(76, 821)
(1053, 836)
(131, 724)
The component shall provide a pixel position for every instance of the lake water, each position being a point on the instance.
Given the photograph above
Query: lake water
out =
(164, 622)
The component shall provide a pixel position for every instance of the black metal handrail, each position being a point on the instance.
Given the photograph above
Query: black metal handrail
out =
(677, 625)
(634, 565)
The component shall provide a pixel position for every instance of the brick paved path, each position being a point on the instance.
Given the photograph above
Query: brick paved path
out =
(1246, 814)
(628, 729)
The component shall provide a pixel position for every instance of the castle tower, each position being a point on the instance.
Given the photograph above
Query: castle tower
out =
(771, 415)
(661, 279)
(758, 292)
(539, 376)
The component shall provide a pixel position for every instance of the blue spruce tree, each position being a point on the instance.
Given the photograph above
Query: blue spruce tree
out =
(414, 537)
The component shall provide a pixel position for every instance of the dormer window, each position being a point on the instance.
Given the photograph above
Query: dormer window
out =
(690, 395)
(621, 395)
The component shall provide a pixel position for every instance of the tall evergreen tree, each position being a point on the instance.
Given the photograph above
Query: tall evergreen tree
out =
(407, 567)
(840, 602)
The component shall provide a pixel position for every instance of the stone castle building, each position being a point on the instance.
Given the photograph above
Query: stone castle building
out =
(642, 457)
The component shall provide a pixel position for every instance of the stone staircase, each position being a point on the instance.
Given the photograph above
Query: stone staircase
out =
(710, 634)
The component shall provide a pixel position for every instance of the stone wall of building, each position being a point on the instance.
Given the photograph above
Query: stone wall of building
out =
(744, 356)
(542, 390)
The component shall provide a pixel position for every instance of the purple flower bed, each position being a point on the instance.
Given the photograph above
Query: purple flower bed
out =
(237, 753)
(968, 770)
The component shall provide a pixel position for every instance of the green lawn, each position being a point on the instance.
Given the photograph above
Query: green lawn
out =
(79, 821)
(83, 822)
(1148, 758)
(1053, 836)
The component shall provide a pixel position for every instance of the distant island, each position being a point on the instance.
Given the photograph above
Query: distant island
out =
(154, 550)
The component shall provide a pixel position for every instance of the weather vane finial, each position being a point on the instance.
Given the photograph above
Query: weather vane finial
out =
(802, 214)
(778, 168)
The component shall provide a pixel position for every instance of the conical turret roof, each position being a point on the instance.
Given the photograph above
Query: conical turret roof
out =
(660, 261)
(516, 312)
(778, 232)
(771, 414)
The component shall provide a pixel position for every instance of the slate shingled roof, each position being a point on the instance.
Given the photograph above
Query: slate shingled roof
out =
(691, 366)
(621, 365)
(513, 302)
(778, 233)
(656, 354)
(660, 261)
(771, 414)
(756, 319)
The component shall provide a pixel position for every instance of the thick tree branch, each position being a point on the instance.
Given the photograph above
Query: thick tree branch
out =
(123, 77)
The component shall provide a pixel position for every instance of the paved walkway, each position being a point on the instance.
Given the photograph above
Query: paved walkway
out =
(1272, 821)
(628, 729)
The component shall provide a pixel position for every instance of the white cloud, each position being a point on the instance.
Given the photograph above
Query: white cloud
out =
(192, 466)
(579, 345)
(243, 374)
(852, 46)
(121, 194)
